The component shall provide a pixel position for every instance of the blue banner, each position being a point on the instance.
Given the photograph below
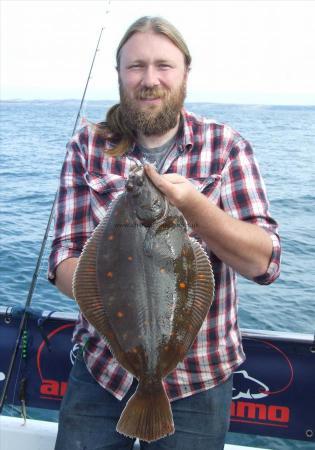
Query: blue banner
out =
(273, 394)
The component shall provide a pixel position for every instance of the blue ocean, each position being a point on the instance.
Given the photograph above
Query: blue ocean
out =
(33, 138)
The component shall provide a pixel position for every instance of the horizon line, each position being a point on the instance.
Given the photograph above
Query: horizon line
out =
(18, 99)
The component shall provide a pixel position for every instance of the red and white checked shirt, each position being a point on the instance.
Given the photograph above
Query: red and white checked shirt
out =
(221, 165)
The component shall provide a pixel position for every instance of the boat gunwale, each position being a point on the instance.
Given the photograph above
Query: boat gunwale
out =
(306, 338)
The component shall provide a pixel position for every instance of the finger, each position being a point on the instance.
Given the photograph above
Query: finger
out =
(154, 176)
(158, 180)
(173, 178)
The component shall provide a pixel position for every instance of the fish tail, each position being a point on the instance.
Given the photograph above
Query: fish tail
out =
(147, 415)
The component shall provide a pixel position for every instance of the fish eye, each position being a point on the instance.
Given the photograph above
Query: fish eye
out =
(140, 181)
(129, 187)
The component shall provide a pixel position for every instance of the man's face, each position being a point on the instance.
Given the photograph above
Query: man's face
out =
(152, 83)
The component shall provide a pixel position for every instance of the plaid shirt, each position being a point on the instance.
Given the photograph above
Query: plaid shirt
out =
(221, 165)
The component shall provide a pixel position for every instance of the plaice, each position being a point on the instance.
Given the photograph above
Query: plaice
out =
(146, 287)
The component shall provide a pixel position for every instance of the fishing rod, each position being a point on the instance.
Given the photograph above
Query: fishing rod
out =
(41, 252)
(87, 83)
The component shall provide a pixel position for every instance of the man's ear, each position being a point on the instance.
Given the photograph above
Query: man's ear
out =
(187, 72)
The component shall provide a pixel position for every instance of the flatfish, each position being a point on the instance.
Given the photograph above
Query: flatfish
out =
(146, 287)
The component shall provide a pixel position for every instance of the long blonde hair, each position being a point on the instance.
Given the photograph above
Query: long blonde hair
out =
(114, 128)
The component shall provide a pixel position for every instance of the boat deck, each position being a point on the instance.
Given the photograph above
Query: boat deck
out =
(41, 435)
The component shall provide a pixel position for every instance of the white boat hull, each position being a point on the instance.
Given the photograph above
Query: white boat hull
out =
(41, 435)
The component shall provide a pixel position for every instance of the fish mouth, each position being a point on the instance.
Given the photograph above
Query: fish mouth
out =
(135, 180)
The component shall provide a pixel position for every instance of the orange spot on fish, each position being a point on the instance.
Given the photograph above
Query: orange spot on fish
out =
(109, 274)
(111, 237)
(166, 347)
(182, 285)
(130, 258)
(120, 314)
(162, 270)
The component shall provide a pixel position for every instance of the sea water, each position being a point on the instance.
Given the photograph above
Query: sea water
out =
(32, 148)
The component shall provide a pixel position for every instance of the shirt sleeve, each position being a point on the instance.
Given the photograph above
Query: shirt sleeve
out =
(244, 196)
(73, 224)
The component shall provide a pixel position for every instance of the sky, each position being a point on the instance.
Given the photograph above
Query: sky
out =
(243, 51)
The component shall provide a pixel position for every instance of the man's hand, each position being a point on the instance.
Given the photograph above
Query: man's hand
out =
(178, 190)
(244, 246)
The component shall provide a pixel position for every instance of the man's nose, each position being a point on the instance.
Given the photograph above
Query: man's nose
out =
(150, 77)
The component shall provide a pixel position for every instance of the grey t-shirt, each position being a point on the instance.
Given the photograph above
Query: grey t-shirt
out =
(157, 155)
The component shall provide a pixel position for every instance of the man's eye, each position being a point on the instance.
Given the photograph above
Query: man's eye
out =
(164, 66)
(135, 66)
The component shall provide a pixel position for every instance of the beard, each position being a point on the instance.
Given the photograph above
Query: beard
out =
(153, 120)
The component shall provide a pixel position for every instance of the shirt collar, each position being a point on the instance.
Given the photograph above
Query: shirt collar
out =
(185, 135)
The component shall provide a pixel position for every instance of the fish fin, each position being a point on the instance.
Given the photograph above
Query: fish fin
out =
(196, 282)
(201, 294)
(147, 414)
(85, 286)
(87, 295)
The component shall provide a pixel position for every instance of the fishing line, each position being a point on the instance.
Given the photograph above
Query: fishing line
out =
(16, 382)
(23, 322)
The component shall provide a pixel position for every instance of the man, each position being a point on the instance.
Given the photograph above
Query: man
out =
(208, 171)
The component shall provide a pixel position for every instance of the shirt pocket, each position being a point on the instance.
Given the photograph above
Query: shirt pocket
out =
(103, 190)
(105, 184)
